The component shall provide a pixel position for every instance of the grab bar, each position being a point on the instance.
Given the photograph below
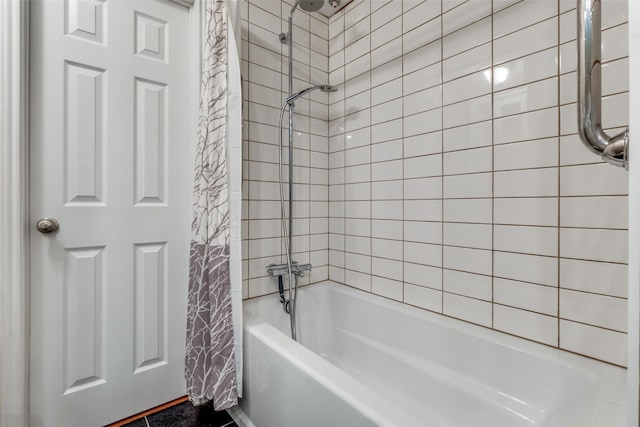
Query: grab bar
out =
(613, 150)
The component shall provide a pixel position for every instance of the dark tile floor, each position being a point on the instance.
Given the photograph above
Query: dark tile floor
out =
(186, 415)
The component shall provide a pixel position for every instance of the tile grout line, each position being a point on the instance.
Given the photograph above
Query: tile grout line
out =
(442, 150)
(404, 213)
(493, 173)
(559, 131)
(370, 163)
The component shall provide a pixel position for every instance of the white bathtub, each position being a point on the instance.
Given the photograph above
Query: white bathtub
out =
(363, 360)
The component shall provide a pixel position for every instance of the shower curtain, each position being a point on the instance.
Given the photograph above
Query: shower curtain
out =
(213, 361)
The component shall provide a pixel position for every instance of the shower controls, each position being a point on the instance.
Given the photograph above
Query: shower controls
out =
(47, 225)
(282, 269)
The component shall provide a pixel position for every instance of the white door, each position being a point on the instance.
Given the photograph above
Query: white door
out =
(110, 138)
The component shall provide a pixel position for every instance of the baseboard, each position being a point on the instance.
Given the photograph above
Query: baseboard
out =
(149, 412)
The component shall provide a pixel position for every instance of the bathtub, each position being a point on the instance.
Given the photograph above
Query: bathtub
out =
(363, 360)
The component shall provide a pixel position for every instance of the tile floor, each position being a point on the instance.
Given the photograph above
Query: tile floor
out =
(186, 415)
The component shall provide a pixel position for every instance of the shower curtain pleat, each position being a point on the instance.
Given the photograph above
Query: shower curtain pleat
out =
(211, 363)
(234, 144)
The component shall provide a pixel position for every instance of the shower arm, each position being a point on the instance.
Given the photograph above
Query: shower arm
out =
(612, 149)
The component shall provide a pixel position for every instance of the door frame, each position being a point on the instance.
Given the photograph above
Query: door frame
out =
(14, 213)
(633, 359)
(14, 197)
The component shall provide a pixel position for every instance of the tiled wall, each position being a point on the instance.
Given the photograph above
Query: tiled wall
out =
(445, 172)
(457, 182)
(264, 70)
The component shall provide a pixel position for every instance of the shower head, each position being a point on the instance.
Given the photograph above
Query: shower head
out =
(323, 88)
(311, 5)
(306, 5)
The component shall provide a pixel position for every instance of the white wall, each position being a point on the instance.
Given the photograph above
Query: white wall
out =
(448, 188)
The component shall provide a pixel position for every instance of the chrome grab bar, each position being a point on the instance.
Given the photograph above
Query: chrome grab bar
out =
(613, 149)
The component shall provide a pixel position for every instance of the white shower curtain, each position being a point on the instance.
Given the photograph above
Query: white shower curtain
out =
(213, 361)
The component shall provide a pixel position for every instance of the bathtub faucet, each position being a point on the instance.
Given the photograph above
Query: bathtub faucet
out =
(282, 269)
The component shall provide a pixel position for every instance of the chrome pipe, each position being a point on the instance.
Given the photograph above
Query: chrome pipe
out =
(291, 107)
(612, 149)
(290, 45)
(290, 218)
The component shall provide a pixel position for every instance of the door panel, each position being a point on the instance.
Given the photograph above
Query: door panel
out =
(110, 141)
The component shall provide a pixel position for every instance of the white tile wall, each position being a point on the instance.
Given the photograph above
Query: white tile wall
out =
(472, 124)
(264, 71)
(445, 172)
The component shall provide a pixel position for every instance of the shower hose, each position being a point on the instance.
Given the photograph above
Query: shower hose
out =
(289, 306)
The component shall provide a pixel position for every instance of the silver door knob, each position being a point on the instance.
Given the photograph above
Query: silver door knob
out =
(47, 225)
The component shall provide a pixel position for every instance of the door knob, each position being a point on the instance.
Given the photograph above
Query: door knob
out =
(47, 225)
